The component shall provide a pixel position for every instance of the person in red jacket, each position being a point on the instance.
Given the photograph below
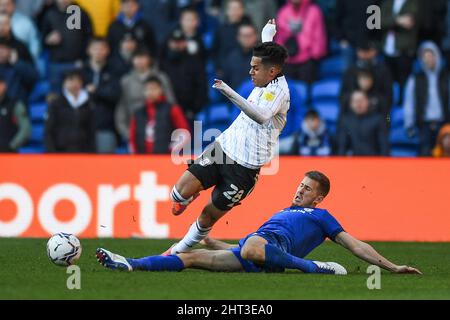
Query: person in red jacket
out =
(153, 125)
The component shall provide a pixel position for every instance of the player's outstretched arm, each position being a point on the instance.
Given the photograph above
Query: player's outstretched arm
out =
(259, 113)
(367, 253)
(269, 31)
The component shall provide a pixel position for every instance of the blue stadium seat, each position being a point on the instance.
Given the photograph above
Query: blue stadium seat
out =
(37, 133)
(218, 113)
(396, 93)
(331, 67)
(40, 91)
(328, 110)
(32, 149)
(404, 152)
(397, 117)
(300, 88)
(326, 89)
(208, 38)
(201, 116)
(37, 111)
(399, 138)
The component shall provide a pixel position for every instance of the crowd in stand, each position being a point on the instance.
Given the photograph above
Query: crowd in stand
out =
(137, 70)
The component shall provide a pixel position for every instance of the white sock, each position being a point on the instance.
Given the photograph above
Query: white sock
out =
(194, 236)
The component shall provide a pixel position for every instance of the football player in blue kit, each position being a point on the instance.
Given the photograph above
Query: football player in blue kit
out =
(281, 243)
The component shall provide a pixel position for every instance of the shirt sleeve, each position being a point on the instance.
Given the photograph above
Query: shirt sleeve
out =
(268, 103)
(330, 225)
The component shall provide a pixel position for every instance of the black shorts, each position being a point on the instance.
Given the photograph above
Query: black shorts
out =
(233, 182)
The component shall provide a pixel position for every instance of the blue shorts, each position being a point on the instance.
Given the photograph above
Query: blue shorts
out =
(272, 239)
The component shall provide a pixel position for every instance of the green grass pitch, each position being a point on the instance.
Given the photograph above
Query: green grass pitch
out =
(26, 273)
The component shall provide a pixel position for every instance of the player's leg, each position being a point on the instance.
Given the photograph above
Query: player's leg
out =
(184, 192)
(200, 229)
(221, 260)
(218, 260)
(260, 251)
(201, 174)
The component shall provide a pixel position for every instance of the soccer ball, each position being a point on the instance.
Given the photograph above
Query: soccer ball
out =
(63, 249)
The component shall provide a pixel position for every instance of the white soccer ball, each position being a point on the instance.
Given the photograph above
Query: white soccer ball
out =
(63, 249)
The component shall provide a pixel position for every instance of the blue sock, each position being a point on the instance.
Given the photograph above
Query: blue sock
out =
(157, 263)
(277, 258)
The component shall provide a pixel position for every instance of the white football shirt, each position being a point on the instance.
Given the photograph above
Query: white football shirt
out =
(249, 143)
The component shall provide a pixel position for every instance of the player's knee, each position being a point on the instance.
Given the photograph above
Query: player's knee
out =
(253, 253)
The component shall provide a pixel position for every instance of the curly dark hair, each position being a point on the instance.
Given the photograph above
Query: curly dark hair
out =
(271, 53)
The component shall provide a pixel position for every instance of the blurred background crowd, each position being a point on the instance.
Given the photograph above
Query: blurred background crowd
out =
(137, 70)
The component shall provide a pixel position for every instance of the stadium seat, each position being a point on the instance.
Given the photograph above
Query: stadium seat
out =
(218, 113)
(326, 89)
(332, 67)
(201, 116)
(37, 111)
(399, 138)
(300, 88)
(32, 149)
(37, 133)
(396, 93)
(397, 117)
(328, 110)
(403, 152)
(40, 91)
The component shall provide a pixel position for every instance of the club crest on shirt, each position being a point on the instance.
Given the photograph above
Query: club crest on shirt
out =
(269, 96)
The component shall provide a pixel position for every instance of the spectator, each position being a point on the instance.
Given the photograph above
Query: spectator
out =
(132, 97)
(30, 8)
(15, 126)
(367, 59)
(23, 28)
(20, 75)
(18, 46)
(427, 98)
(399, 24)
(260, 11)
(67, 47)
(351, 26)
(102, 13)
(187, 74)
(362, 132)
(238, 62)
(365, 81)
(163, 22)
(432, 20)
(446, 38)
(189, 24)
(152, 125)
(301, 28)
(69, 125)
(311, 140)
(122, 61)
(130, 20)
(103, 87)
(442, 148)
(225, 36)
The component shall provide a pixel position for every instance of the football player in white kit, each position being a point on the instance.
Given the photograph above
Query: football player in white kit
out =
(232, 163)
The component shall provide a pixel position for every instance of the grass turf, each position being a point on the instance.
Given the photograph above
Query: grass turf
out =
(26, 273)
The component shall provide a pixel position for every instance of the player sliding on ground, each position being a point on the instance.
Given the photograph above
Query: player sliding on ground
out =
(233, 162)
(280, 243)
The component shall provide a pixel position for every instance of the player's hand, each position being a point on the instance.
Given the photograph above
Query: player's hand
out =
(407, 270)
(269, 31)
(219, 84)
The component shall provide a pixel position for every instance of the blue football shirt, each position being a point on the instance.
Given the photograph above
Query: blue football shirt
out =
(300, 229)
